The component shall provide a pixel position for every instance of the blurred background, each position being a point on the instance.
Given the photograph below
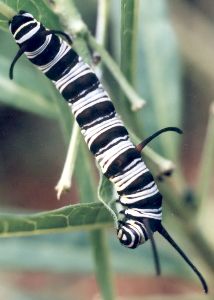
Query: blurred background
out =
(174, 72)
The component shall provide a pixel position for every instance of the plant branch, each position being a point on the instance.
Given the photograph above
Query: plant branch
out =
(136, 101)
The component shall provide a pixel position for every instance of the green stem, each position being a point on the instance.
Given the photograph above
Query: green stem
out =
(128, 38)
(102, 18)
(6, 11)
(129, 20)
(70, 17)
(136, 101)
(101, 29)
(103, 264)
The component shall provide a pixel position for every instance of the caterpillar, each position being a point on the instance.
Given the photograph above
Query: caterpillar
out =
(139, 201)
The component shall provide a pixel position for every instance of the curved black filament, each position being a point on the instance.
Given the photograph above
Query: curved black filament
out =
(140, 146)
(154, 248)
(21, 50)
(170, 240)
(18, 55)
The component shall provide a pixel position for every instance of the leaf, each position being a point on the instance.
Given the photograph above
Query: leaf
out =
(18, 97)
(39, 9)
(30, 92)
(70, 218)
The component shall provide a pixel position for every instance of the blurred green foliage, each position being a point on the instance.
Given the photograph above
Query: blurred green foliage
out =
(151, 63)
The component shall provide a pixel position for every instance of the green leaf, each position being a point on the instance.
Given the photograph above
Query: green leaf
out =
(18, 97)
(30, 92)
(70, 218)
(39, 9)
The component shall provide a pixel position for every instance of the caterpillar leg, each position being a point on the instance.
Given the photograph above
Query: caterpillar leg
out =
(17, 56)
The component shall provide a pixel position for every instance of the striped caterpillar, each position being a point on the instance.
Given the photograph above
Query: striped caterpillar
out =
(139, 201)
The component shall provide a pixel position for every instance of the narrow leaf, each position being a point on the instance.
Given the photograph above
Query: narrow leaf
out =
(38, 9)
(70, 218)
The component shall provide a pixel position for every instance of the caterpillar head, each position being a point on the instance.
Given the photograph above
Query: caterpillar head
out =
(131, 233)
(23, 26)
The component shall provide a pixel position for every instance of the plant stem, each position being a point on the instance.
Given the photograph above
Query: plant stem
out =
(128, 44)
(7, 11)
(129, 20)
(103, 264)
(136, 101)
(102, 18)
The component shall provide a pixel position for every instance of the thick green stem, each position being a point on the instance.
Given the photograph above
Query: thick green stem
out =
(128, 41)
(101, 30)
(102, 18)
(129, 20)
(103, 264)
(7, 11)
